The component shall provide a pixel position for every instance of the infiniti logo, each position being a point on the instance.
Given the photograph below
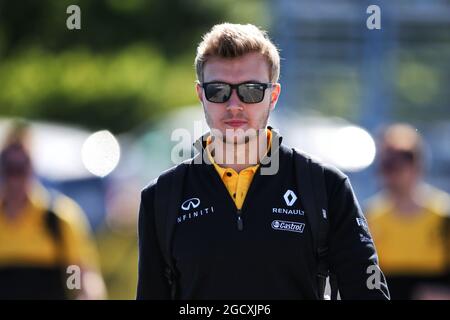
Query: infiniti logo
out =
(190, 204)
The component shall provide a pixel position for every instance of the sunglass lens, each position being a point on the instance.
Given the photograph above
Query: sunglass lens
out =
(251, 92)
(217, 92)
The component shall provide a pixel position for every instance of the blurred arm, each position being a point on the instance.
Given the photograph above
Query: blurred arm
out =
(151, 281)
(353, 258)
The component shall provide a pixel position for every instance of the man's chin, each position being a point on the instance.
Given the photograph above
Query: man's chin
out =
(236, 136)
(236, 139)
(239, 137)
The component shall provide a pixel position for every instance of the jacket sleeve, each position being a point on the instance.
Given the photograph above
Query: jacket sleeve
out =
(352, 253)
(152, 283)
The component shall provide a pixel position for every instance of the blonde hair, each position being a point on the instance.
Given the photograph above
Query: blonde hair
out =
(403, 137)
(229, 40)
(17, 132)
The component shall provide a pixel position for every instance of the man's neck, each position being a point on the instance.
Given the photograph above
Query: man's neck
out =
(239, 156)
(13, 203)
(406, 203)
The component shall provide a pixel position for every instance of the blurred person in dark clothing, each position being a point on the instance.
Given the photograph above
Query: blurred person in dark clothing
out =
(41, 234)
(409, 220)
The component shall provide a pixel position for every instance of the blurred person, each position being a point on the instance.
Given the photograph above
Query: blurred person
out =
(230, 229)
(117, 237)
(409, 220)
(41, 234)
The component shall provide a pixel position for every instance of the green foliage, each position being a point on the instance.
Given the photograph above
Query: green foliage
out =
(131, 62)
(115, 90)
(422, 83)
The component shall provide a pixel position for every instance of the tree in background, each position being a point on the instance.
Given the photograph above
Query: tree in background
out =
(130, 62)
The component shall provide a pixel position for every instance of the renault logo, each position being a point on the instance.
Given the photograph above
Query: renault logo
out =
(190, 204)
(290, 197)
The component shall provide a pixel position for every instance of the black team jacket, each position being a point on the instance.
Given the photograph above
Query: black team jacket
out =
(272, 256)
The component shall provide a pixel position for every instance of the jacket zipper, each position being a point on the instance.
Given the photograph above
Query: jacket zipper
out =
(240, 222)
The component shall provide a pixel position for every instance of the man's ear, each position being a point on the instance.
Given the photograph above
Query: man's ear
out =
(274, 95)
(199, 89)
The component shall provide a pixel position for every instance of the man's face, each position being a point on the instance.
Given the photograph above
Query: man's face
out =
(233, 117)
(398, 170)
(15, 168)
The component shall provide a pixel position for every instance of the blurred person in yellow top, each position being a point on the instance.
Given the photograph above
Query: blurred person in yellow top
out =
(46, 249)
(409, 220)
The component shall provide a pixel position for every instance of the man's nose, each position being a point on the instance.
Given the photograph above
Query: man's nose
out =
(234, 103)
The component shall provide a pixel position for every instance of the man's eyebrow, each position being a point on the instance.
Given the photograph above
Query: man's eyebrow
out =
(245, 81)
(254, 80)
(216, 80)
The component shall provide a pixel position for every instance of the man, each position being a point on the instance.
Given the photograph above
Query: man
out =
(242, 228)
(41, 235)
(409, 220)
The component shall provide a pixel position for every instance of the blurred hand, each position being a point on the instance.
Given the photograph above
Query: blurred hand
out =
(92, 286)
(431, 292)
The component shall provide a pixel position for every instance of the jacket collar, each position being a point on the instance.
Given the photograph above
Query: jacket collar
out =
(200, 145)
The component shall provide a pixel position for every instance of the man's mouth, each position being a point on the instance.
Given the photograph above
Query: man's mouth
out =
(235, 123)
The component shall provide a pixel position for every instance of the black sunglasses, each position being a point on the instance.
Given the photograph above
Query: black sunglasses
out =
(14, 161)
(248, 92)
(396, 160)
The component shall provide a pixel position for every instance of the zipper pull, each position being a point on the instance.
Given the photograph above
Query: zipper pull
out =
(240, 222)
